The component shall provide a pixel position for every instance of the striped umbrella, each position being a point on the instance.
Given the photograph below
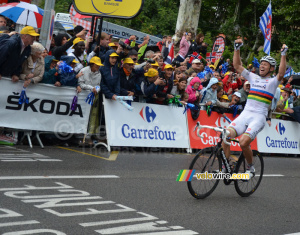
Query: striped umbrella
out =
(23, 13)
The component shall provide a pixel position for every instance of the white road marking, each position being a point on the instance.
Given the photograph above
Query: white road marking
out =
(271, 175)
(292, 233)
(18, 223)
(59, 177)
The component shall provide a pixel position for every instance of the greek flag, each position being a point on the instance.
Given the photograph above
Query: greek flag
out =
(265, 25)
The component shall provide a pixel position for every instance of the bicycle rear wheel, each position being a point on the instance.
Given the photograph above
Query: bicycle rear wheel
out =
(205, 160)
(246, 187)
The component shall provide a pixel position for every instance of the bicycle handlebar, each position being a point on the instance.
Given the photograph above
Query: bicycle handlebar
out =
(219, 129)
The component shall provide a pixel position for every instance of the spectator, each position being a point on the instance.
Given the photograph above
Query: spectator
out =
(197, 67)
(102, 49)
(228, 85)
(90, 79)
(69, 78)
(162, 43)
(194, 90)
(198, 45)
(184, 46)
(79, 54)
(113, 46)
(184, 98)
(62, 44)
(110, 82)
(51, 69)
(129, 79)
(244, 93)
(14, 51)
(283, 105)
(209, 94)
(150, 85)
(288, 84)
(180, 87)
(133, 54)
(44, 53)
(164, 91)
(33, 68)
(2, 21)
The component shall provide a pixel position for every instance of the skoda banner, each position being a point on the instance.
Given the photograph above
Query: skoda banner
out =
(147, 125)
(48, 108)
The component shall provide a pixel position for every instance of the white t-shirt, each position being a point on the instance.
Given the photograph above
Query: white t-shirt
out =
(261, 93)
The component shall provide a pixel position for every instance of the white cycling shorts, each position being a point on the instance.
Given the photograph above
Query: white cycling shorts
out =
(248, 123)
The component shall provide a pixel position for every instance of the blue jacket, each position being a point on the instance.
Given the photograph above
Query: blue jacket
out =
(49, 74)
(68, 79)
(11, 59)
(110, 82)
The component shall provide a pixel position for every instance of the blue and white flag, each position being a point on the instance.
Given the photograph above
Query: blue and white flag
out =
(265, 25)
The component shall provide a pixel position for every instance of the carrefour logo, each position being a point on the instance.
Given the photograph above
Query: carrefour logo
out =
(280, 128)
(148, 114)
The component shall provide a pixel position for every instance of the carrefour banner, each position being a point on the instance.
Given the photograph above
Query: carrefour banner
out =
(281, 137)
(147, 125)
(48, 109)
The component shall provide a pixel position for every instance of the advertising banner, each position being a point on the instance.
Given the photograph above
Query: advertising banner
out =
(210, 137)
(48, 109)
(147, 125)
(281, 137)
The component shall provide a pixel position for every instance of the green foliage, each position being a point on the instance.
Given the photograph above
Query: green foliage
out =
(60, 5)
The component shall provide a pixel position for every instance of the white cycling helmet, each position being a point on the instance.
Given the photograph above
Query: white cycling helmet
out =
(269, 59)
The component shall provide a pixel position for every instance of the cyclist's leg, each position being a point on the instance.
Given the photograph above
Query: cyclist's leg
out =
(226, 147)
(245, 146)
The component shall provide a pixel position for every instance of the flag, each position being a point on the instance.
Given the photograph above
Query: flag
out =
(170, 57)
(195, 55)
(219, 47)
(288, 72)
(265, 25)
(211, 57)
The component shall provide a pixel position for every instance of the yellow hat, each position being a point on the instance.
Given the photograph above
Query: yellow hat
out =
(168, 66)
(76, 40)
(212, 66)
(1, 31)
(128, 61)
(75, 61)
(30, 31)
(155, 64)
(225, 97)
(151, 73)
(55, 60)
(227, 73)
(96, 60)
(113, 54)
(112, 44)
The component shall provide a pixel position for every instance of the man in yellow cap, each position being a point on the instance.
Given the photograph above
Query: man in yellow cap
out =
(79, 54)
(14, 51)
(150, 85)
(164, 91)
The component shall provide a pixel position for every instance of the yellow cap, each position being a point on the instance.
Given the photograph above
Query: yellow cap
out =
(155, 64)
(212, 66)
(55, 60)
(168, 66)
(112, 44)
(76, 40)
(75, 61)
(1, 31)
(151, 73)
(225, 97)
(30, 31)
(113, 54)
(128, 61)
(227, 73)
(96, 60)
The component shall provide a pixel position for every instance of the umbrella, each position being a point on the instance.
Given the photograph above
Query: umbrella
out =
(23, 13)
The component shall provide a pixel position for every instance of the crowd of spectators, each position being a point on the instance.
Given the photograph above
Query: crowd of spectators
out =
(124, 68)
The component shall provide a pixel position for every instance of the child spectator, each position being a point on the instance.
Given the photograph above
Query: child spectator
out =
(180, 87)
(184, 98)
(209, 94)
(51, 69)
(194, 90)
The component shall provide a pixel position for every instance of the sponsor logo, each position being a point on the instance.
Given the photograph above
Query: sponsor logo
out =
(148, 114)
(273, 143)
(222, 122)
(260, 86)
(280, 128)
(249, 129)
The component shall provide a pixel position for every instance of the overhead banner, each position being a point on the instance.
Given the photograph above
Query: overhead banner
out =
(146, 126)
(211, 137)
(281, 137)
(49, 108)
(124, 9)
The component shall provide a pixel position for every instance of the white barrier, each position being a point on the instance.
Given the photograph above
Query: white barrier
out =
(147, 125)
(281, 137)
(49, 108)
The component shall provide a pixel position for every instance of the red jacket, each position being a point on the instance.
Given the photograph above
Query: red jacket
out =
(233, 85)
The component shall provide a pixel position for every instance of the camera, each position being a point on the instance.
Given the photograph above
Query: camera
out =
(176, 63)
(151, 61)
(124, 45)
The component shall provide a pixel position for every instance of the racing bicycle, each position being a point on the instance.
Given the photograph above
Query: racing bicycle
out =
(210, 160)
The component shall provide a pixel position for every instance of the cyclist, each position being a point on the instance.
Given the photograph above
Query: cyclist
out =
(262, 89)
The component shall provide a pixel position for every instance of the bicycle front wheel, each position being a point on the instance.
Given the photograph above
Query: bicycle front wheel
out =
(246, 187)
(205, 160)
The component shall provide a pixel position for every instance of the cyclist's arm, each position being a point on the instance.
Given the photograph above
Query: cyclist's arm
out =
(237, 62)
(282, 66)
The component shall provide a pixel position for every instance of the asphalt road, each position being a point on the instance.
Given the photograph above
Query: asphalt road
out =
(85, 191)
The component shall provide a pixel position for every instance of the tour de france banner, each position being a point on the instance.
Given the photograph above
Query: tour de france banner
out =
(211, 137)
(147, 125)
(48, 108)
(281, 137)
